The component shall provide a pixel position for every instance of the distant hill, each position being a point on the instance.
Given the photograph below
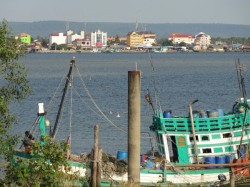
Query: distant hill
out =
(45, 28)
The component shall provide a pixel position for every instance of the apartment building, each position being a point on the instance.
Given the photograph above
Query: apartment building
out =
(203, 40)
(98, 38)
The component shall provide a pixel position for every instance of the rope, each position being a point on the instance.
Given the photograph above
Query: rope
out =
(101, 116)
(94, 103)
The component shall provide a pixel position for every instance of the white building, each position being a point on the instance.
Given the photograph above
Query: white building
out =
(71, 37)
(98, 39)
(58, 38)
(64, 39)
(202, 40)
(178, 38)
(149, 41)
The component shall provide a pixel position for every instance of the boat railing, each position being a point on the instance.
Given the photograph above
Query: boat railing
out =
(201, 124)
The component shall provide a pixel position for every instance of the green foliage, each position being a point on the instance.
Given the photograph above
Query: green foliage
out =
(13, 87)
(182, 44)
(165, 42)
(232, 40)
(43, 168)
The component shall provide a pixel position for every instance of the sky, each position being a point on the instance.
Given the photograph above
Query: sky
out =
(128, 11)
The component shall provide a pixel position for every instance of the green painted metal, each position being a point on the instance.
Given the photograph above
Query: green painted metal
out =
(229, 148)
(216, 136)
(183, 124)
(182, 148)
(218, 150)
(42, 127)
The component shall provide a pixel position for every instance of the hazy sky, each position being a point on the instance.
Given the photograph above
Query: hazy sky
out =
(130, 11)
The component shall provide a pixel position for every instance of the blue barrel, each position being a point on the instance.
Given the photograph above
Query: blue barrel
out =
(220, 160)
(167, 114)
(196, 115)
(212, 114)
(228, 158)
(203, 115)
(210, 160)
(122, 155)
(220, 112)
(242, 151)
(149, 164)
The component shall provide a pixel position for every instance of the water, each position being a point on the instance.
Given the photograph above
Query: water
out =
(179, 78)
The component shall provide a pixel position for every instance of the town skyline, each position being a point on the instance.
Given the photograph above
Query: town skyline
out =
(160, 11)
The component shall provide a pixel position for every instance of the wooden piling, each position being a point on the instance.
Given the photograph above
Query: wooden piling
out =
(232, 179)
(134, 122)
(95, 180)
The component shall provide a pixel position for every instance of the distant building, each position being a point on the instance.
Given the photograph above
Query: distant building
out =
(145, 38)
(65, 39)
(149, 38)
(202, 40)
(121, 39)
(25, 38)
(74, 36)
(98, 38)
(82, 43)
(58, 38)
(179, 37)
(134, 39)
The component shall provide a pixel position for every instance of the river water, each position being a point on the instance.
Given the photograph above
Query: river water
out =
(178, 78)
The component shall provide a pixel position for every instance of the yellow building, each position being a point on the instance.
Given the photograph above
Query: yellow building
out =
(134, 39)
(138, 38)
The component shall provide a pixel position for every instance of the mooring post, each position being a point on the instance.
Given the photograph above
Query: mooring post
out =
(99, 168)
(232, 179)
(134, 123)
(95, 157)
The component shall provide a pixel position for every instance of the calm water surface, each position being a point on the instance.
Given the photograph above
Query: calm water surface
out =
(178, 77)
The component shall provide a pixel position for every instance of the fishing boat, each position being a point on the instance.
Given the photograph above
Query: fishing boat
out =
(203, 148)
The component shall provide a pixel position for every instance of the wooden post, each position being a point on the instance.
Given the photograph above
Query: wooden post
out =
(95, 157)
(99, 168)
(232, 179)
(134, 123)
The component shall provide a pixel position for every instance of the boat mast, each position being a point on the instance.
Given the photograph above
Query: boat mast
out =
(68, 79)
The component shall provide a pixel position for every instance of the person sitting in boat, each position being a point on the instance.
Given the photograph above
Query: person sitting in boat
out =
(28, 141)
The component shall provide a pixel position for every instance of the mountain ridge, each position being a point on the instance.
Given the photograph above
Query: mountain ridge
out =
(45, 28)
